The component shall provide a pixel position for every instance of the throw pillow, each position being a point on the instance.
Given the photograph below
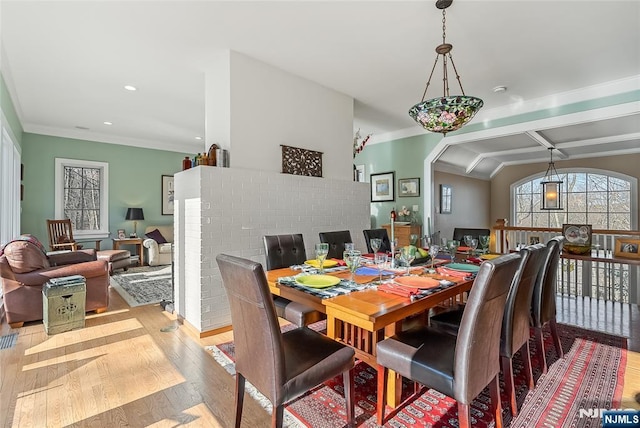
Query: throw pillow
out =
(24, 257)
(156, 236)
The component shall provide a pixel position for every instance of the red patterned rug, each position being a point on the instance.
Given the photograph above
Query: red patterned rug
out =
(589, 377)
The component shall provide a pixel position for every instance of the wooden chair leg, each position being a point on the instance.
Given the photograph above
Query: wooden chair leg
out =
(349, 396)
(100, 310)
(239, 398)
(509, 387)
(382, 388)
(526, 357)
(556, 338)
(277, 416)
(540, 346)
(464, 415)
(16, 324)
(496, 408)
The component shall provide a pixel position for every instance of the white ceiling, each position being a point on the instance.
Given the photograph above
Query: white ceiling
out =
(66, 62)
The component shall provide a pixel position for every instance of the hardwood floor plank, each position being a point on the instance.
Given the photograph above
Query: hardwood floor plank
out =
(121, 370)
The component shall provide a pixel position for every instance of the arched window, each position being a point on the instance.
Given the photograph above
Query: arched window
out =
(604, 199)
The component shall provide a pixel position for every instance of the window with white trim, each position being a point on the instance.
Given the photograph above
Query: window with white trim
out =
(82, 195)
(9, 186)
(604, 199)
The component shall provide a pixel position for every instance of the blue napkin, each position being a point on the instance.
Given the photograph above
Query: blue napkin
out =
(371, 271)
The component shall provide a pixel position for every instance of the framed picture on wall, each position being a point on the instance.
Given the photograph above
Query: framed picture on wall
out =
(408, 187)
(382, 187)
(167, 195)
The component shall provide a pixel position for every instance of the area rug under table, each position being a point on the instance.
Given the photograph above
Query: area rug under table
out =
(590, 376)
(143, 285)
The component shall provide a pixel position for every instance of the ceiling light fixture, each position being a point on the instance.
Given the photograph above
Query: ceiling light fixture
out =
(107, 123)
(130, 88)
(198, 138)
(551, 187)
(449, 112)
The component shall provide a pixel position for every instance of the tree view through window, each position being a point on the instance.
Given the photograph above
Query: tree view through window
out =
(604, 201)
(82, 197)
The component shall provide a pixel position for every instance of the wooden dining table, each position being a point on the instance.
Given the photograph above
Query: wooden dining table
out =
(363, 318)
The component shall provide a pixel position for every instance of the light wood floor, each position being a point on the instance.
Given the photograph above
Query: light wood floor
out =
(122, 370)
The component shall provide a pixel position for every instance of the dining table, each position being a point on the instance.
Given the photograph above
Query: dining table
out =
(364, 315)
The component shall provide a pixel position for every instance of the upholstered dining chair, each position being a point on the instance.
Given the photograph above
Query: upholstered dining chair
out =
(282, 366)
(377, 233)
(459, 366)
(336, 241)
(284, 251)
(516, 330)
(543, 304)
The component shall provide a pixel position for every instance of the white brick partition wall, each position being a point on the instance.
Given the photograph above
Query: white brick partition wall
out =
(229, 210)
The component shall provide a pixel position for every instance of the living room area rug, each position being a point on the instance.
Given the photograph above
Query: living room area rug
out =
(143, 285)
(590, 376)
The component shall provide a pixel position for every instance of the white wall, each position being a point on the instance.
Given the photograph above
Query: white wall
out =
(229, 210)
(269, 107)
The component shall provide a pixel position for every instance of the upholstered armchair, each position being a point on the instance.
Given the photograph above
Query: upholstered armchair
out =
(158, 242)
(25, 268)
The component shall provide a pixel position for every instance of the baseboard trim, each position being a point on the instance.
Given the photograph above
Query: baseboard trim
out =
(202, 334)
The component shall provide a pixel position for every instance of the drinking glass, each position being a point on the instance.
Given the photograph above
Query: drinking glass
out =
(352, 259)
(473, 245)
(322, 250)
(484, 242)
(348, 246)
(380, 259)
(452, 246)
(408, 255)
(375, 243)
(413, 239)
(433, 252)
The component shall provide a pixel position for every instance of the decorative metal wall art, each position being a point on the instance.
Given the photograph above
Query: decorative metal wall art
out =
(298, 161)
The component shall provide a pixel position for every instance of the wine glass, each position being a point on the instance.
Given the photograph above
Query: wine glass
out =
(352, 259)
(413, 239)
(452, 246)
(375, 243)
(433, 252)
(380, 259)
(484, 242)
(473, 245)
(348, 246)
(408, 255)
(322, 250)
(467, 240)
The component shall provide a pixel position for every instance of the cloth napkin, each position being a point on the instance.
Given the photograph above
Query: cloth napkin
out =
(367, 270)
(399, 290)
(475, 260)
(456, 273)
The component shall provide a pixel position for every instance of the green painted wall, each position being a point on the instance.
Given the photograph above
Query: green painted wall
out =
(6, 104)
(135, 176)
(406, 158)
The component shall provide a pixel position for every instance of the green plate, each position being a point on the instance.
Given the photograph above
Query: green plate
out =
(318, 281)
(463, 267)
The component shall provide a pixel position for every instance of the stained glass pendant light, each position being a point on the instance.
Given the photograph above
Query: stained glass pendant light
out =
(551, 187)
(449, 112)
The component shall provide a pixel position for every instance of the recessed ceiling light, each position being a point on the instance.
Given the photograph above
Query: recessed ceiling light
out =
(198, 138)
(499, 89)
(108, 123)
(130, 88)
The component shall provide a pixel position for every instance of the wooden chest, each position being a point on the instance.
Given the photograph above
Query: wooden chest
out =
(63, 304)
(403, 232)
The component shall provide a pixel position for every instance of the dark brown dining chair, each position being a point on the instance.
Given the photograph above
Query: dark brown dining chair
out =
(284, 251)
(543, 304)
(61, 235)
(336, 241)
(282, 366)
(369, 234)
(516, 330)
(459, 366)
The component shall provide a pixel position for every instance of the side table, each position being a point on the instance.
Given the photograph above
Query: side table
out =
(137, 242)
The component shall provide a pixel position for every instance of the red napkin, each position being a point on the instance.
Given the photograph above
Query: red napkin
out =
(475, 260)
(451, 272)
(340, 262)
(399, 290)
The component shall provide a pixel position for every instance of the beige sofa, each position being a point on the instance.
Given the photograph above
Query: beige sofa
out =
(158, 253)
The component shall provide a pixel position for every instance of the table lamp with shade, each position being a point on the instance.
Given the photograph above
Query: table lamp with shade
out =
(134, 214)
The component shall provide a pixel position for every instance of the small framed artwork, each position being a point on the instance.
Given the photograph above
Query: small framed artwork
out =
(533, 240)
(358, 173)
(577, 234)
(382, 187)
(122, 234)
(627, 248)
(167, 195)
(408, 187)
(446, 199)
